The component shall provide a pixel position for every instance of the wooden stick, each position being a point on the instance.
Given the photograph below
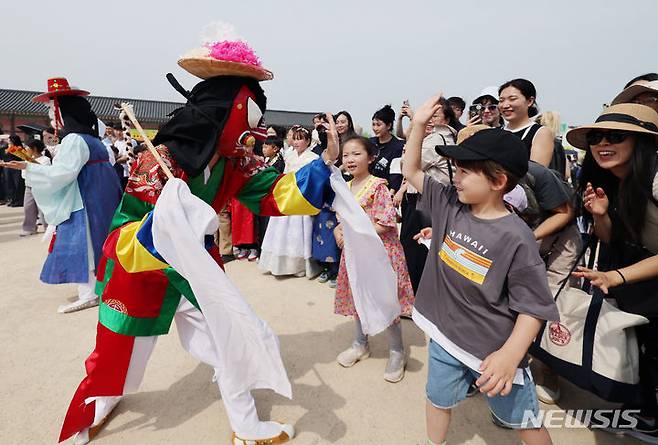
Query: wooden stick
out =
(129, 112)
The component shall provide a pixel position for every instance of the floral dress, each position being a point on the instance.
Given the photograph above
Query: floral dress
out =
(376, 200)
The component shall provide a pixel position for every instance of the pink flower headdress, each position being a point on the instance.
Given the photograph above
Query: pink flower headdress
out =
(223, 53)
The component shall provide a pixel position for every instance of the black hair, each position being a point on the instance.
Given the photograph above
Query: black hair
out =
(457, 102)
(279, 130)
(78, 116)
(528, 90)
(274, 140)
(36, 145)
(49, 130)
(487, 98)
(371, 149)
(15, 140)
(649, 77)
(350, 123)
(140, 148)
(386, 115)
(628, 198)
(117, 126)
(449, 113)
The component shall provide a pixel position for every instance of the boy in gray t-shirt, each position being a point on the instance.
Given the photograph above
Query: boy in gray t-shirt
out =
(484, 293)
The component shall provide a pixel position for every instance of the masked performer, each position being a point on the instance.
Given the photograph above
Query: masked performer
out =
(156, 267)
(78, 193)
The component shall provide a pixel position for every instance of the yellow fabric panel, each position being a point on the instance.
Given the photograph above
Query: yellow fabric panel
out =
(289, 198)
(132, 255)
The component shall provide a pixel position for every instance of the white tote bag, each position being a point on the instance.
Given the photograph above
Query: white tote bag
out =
(593, 345)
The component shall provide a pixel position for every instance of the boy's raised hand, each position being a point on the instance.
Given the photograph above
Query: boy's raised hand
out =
(425, 112)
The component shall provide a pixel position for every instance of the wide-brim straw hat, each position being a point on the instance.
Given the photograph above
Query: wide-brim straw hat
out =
(206, 67)
(624, 117)
(635, 90)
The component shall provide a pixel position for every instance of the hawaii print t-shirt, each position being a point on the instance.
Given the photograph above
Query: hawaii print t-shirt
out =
(479, 275)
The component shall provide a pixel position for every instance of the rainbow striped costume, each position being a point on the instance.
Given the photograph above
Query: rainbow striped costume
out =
(139, 291)
(131, 268)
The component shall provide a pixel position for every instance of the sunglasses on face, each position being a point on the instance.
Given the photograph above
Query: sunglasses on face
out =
(595, 137)
(479, 107)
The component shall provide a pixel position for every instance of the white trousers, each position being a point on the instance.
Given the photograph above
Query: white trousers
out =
(86, 290)
(196, 338)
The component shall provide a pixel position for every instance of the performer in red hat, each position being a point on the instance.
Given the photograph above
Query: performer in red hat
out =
(78, 193)
(156, 269)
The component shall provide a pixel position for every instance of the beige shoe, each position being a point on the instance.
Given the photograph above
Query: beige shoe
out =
(287, 433)
(353, 354)
(77, 305)
(547, 395)
(549, 391)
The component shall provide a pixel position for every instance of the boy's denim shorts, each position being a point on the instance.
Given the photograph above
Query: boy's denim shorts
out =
(448, 381)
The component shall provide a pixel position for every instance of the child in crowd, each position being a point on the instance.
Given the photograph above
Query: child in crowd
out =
(286, 248)
(37, 150)
(374, 197)
(273, 157)
(484, 292)
(272, 147)
(244, 227)
(324, 248)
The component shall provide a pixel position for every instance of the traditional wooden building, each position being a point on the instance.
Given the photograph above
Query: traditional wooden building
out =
(18, 113)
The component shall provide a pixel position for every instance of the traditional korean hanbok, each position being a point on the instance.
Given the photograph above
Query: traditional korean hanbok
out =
(287, 246)
(78, 195)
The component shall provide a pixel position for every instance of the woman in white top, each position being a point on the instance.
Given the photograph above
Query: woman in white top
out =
(287, 247)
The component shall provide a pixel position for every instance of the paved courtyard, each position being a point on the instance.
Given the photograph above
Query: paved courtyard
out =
(43, 354)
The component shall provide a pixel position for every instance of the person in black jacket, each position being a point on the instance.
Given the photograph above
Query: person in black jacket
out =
(389, 147)
(16, 183)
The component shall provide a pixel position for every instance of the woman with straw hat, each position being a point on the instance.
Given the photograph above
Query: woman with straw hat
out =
(620, 184)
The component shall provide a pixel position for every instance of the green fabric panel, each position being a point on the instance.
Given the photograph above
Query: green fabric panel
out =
(130, 209)
(168, 309)
(208, 191)
(124, 324)
(100, 285)
(138, 327)
(181, 285)
(259, 186)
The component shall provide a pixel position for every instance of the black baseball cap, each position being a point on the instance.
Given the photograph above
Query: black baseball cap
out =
(492, 144)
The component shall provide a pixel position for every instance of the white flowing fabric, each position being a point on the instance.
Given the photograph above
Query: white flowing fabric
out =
(372, 279)
(247, 346)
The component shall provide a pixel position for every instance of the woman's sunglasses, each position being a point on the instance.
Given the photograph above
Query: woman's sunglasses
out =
(594, 137)
(479, 107)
